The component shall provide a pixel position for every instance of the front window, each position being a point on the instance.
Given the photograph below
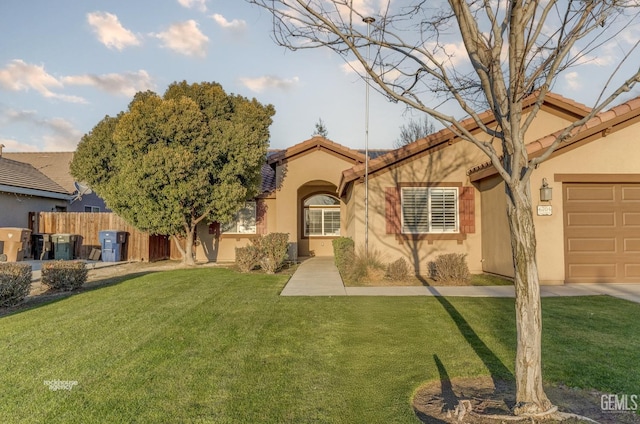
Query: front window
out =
(321, 216)
(429, 210)
(244, 221)
(91, 209)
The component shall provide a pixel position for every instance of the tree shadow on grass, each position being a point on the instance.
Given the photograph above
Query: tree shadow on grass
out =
(496, 367)
(52, 296)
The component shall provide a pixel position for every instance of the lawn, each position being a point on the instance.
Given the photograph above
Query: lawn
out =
(214, 346)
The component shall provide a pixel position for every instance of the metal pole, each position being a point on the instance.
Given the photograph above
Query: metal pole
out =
(368, 20)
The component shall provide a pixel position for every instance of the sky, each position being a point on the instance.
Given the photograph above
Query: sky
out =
(66, 64)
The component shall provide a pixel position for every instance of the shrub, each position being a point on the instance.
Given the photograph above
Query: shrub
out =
(398, 270)
(450, 268)
(247, 258)
(15, 282)
(343, 252)
(273, 249)
(64, 275)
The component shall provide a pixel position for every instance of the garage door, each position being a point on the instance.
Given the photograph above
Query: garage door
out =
(602, 233)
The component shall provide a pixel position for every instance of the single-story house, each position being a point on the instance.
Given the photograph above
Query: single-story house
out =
(40, 182)
(439, 195)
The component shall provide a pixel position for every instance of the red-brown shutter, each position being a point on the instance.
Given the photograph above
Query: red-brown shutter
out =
(214, 228)
(392, 210)
(467, 209)
(261, 216)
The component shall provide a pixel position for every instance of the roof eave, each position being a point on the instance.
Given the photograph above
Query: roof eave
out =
(35, 192)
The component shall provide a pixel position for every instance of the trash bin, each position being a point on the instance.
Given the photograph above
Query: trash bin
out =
(41, 247)
(15, 243)
(64, 246)
(112, 242)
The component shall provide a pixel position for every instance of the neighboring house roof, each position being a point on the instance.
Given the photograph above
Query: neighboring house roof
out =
(597, 127)
(22, 178)
(445, 137)
(316, 143)
(54, 165)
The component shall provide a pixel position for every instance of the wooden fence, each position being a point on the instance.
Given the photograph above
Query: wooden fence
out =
(140, 246)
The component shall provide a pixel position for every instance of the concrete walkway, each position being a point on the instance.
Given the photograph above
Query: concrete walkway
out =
(319, 276)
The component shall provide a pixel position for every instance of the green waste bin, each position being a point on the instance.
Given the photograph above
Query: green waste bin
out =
(64, 246)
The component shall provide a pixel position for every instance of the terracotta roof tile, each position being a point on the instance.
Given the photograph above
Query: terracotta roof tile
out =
(316, 142)
(610, 117)
(447, 136)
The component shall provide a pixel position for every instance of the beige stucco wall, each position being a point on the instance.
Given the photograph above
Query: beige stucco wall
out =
(317, 171)
(496, 244)
(445, 166)
(617, 153)
(210, 248)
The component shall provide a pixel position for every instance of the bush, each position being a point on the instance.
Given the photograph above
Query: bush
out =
(398, 270)
(450, 268)
(247, 258)
(15, 282)
(64, 275)
(273, 249)
(343, 251)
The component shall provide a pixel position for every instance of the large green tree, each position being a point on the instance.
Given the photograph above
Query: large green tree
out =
(170, 162)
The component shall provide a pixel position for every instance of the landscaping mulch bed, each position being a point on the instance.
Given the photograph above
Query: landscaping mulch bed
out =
(435, 402)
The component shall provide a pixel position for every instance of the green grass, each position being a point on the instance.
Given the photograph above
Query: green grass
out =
(215, 346)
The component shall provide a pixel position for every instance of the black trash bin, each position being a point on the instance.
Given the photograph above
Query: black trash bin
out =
(112, 242)
(41, 247)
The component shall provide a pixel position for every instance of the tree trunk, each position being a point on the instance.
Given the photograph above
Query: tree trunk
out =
(188, 258)
(530, 396)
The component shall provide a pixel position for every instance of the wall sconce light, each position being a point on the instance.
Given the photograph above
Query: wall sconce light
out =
(546, 192)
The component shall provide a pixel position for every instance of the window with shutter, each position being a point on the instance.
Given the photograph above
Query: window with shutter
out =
(429, 210)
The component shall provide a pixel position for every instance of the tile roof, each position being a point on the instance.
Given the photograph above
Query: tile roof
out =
(54, 165)
(446, 136)
(316, 142)
(23, 175)
(603, 123)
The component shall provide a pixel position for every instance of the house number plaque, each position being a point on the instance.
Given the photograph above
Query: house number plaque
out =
(545, 210)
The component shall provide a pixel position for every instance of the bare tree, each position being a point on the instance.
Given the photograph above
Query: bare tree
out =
(414, 130)
(509, 51)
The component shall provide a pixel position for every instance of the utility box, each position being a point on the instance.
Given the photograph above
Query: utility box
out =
(41, 246)
(64, 246)
(113, 244)
(15, 243)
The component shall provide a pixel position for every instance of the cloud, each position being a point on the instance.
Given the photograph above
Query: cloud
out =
(236, 25)
(21, 76)
(57, 133)
(355, 67)
(17, 146)
(262, 83)
(126, 84)
(201, 5)
(63, 136)
(572, 79)
(110, 32)
(185, 38)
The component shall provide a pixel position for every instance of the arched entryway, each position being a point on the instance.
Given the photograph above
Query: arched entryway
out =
(319, 218)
